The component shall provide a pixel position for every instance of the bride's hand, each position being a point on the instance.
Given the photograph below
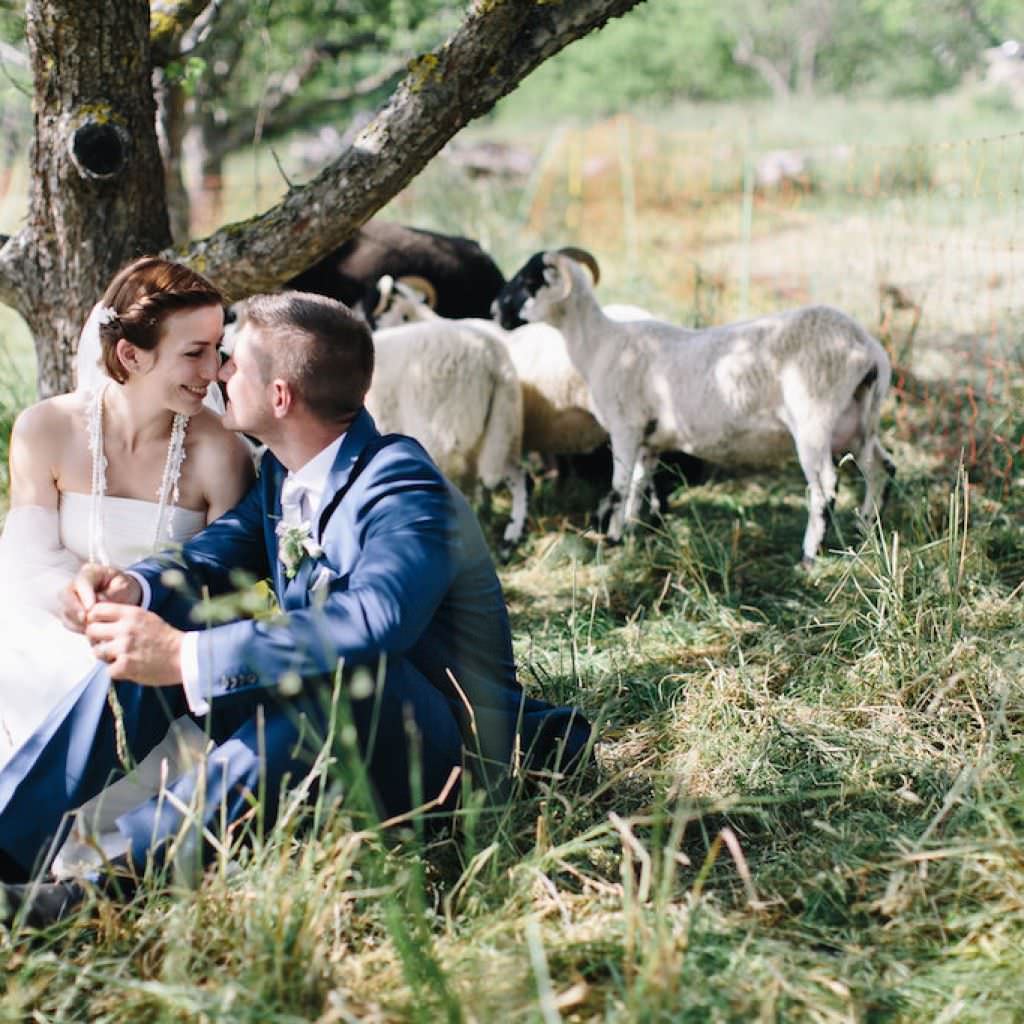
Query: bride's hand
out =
(95, 583)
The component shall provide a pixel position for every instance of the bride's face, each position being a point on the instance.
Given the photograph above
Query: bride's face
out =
(186, 360)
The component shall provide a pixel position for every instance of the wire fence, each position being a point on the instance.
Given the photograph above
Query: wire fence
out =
(921, 242)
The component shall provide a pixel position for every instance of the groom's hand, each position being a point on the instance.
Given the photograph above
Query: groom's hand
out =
(136, 644)
(95, 583)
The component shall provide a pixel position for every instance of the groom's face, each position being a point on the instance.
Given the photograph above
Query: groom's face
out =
(248, 407)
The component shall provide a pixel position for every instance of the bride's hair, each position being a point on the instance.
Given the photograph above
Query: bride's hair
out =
(138, 300)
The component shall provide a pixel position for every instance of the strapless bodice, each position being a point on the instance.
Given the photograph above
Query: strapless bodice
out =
(129, 526)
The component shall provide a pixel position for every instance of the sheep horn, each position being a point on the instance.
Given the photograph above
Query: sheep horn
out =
(421, 285)
(584, 257)
(384, 287)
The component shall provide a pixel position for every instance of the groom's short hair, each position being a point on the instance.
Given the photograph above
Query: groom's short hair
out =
(318, 345)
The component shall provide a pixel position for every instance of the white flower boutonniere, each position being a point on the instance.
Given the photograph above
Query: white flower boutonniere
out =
(295, 543)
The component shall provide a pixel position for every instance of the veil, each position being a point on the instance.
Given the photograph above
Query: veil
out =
(89, 372)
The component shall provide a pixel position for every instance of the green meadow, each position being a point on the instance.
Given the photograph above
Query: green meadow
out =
(806, 796)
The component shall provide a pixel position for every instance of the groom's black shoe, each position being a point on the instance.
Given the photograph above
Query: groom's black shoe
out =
(41, 903)
(46, 903)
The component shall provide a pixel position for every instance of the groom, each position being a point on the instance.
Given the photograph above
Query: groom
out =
(376, 561)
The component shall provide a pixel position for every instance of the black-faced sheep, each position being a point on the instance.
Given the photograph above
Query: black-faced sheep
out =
(742, 393)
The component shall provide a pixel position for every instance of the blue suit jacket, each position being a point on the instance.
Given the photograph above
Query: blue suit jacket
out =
(405, 572)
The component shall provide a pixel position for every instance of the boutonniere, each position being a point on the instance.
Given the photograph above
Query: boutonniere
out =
(295, 543)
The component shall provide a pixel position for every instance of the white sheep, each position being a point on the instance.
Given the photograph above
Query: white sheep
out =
(742, 393)
(557, 415)
(455, 390)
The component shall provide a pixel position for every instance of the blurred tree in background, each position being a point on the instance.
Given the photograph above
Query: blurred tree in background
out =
(727, 49)
(251, 72)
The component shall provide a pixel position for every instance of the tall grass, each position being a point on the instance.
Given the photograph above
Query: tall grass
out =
(805, 802)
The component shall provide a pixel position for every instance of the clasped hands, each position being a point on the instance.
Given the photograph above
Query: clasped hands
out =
(103, 603)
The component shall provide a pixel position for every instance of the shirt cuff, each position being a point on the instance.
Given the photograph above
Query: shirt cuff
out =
(197, 701)
(147, 592)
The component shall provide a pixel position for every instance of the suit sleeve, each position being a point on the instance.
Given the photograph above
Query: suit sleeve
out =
(407, 536)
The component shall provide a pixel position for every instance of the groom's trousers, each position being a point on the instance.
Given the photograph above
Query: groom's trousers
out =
(406, 731)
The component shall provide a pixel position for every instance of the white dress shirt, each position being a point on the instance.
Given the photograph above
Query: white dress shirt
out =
(307, 484)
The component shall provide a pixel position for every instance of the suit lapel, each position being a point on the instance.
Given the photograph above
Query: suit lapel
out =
(359, 435)
(277, 472)
(296, 590)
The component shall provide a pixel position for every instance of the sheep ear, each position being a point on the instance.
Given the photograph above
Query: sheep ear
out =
(564, 268)
(422, 287)
(385, 286)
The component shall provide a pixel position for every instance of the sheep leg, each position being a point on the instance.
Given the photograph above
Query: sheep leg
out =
(517, 485)
(622, 495)
(878, 469)
(642, 485)
(815, 455)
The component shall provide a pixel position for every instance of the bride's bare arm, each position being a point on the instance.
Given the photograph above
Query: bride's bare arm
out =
(37, 439)
(33, 560)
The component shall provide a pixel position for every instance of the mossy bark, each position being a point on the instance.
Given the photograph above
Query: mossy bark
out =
(97, 193)
(498, 44)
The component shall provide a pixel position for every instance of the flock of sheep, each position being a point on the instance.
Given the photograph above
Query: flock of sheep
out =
(483, 370)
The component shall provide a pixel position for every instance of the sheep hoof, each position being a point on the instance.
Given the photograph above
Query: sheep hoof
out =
(805, 564)
(506, 550)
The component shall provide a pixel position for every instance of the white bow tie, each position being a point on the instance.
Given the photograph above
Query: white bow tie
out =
(294, 501)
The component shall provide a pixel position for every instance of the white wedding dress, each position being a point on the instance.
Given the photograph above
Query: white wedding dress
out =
(40, 551)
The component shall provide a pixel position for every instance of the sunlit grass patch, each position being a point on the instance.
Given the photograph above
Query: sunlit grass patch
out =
(806, 796)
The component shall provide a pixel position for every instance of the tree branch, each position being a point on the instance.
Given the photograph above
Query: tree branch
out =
(16, 277)
(743, 53)
(498, 44)
(12, 55)
(200, 29)
(286, 86)
(169, 21)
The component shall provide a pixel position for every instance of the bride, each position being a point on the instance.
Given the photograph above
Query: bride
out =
(130, 462)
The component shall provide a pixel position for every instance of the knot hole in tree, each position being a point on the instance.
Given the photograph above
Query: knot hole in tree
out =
(99, 149)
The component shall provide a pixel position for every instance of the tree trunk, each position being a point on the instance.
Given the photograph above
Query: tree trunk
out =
(806, 61)
(205, 158)
(777, 79)
(97, 193)
(97, 197)
(170, 123)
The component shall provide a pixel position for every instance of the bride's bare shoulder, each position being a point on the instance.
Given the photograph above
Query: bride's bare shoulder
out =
(205, 426)
(217, 448)
(44, 437)
(51, 420)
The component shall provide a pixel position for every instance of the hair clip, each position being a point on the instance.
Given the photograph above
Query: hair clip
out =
(107, 315)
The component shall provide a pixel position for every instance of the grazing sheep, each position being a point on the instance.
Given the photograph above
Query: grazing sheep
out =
(464, 278)
(557, 416)
(742, 393)
(455, 390)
